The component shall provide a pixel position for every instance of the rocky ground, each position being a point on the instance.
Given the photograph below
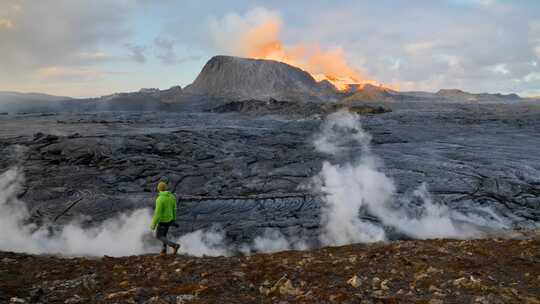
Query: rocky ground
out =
(245, 172)
(486, 271)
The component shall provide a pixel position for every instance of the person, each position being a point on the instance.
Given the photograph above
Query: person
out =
(164, 217)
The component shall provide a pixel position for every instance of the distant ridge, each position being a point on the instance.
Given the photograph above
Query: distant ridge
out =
(9, 96)
(456, 94)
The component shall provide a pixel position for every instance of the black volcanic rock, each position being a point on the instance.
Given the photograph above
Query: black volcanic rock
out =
(241, 78)
(369, 93)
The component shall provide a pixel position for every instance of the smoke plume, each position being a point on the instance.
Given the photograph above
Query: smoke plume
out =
(257, 35)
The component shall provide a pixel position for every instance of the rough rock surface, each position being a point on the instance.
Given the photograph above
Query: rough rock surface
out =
(435, 271)
(301, 109)
(468, 156)
(243, 78)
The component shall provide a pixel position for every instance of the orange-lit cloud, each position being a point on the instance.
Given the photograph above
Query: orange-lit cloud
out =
(263, 41)
(67, 73)
(6, 23)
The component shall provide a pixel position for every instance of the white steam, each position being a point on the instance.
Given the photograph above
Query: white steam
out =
(121, 235)
(125, 234)
(201, 243)
(361, 185)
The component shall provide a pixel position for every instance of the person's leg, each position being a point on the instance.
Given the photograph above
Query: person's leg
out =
(163, 236)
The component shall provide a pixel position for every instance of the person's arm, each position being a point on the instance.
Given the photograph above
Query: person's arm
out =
(157, 213)
(174, 209)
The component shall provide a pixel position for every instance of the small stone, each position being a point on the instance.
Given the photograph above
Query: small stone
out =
(120, 294)
(264, 291)
(354, 281)
(384, 284)
(433, 288)
(238, 274)
(201, 289)
(439, 294)
(375, 283)
(288, 289)
(433, 270)
(156, 300)
(333, 298)
(459, 282)
(124, 284)
(185, 298)
(17, 300)
(75, 300)
(435, 301)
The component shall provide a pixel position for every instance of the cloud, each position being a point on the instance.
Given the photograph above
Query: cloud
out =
(60, 31)
(6, 24)
(500, 68)
(68, 73)
(233, 25)
(166, 53)
(532, 77)
(419, 47)
(94, 56)
(137, 52)
(431, 45)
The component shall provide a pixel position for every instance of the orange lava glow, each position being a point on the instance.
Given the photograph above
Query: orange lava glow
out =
(263, 42)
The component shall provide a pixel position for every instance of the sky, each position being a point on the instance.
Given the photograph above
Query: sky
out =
(85, 48)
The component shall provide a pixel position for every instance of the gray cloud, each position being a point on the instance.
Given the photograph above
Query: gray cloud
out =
(166, 53)
(59, 33)
(481, 46)
(137, 52)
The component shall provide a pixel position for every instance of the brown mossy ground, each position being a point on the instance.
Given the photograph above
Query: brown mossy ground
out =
(429, 271)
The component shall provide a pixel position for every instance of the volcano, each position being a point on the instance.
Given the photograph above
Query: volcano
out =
(242, 78)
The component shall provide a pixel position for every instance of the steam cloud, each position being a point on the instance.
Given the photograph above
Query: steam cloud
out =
(350, 188)
(118, 236)
(123, 235)
(361, 185)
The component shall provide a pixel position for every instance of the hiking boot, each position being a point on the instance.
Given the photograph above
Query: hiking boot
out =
(175, 249)
(163, 252)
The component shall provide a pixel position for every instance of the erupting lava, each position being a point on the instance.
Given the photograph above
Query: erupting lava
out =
(263, 42)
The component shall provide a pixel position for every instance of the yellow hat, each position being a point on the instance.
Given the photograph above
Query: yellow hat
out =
(162, 186)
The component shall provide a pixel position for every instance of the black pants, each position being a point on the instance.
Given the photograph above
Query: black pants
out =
(161, 234)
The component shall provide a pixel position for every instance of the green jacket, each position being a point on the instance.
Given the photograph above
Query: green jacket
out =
(165, 209)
